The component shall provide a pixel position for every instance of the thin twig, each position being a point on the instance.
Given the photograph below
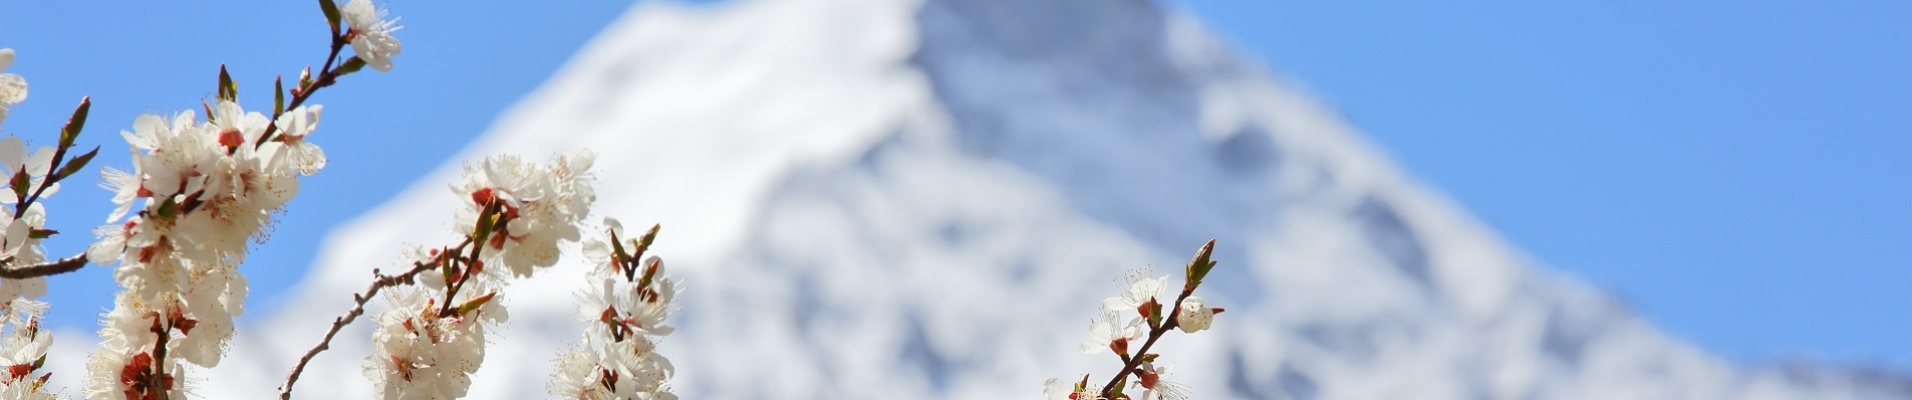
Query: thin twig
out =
(50, 268)
(302, 92)
(358, 308)
(471, 262)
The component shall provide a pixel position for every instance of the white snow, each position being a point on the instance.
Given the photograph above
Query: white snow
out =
(893, 198)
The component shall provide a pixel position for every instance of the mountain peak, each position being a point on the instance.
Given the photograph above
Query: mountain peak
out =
(871, 198)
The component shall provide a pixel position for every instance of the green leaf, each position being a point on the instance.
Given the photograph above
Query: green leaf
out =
(618, 249)
(331, 15)
(278, 95)
(75, 164)
(650, 272)
(481, 232)
(351, 65)
(228, 90)
(71, 131)
(487, 220)
(41, 233)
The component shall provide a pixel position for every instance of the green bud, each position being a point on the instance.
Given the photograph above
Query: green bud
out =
(228, 90)
(71, 131)
(1198, 268)
(473, 304)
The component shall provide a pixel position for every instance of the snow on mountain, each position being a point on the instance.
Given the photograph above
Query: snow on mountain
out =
(894, 198)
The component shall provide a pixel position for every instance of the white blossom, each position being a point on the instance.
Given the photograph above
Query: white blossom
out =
(215, 298)
(1155, 386)
(371, 34)
(1058, 389)
(125, 187)
(579, 376)
(15, 160)
(1194, 315)
(13, 88)
(18, 244)
(232, 127)
(297, 153)
(598, 252)
(180, 167)
(27, 390)
(1106, 335)
(1141, 289)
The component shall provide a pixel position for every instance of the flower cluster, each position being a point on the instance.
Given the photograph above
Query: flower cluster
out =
(540, 206)
(24, 351)
(202, 190)
(420, 354)
(433, 337)
(21, 232)
(626, 305)
(1130, 338)
(13, 88)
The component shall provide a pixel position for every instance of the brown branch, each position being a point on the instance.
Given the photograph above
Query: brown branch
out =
(53, 177)
(451, 292)
(50, 268)
(358, 308)
(1131, 364)
(158, 381)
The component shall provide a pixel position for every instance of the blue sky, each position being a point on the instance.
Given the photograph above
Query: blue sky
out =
(1737, 172)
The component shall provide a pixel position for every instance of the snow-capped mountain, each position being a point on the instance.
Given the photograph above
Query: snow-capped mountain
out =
(901, 198)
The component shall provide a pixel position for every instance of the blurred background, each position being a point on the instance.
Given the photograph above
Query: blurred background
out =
(1738, 173)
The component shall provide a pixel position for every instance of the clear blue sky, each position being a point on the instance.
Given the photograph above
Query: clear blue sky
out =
(1738, 172)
